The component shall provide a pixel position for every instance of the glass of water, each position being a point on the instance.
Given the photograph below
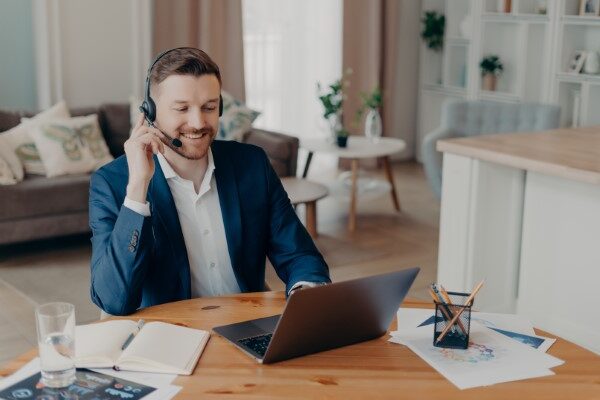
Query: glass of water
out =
(56, 340)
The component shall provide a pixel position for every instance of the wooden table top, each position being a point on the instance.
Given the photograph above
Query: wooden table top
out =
(571, 153)
(376, 369)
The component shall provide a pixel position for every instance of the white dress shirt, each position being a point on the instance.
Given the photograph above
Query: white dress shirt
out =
(203, 231)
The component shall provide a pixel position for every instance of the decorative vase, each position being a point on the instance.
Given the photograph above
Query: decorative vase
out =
(373, 125)
(592, 63)
(342, 141)
(335, 125)
(489, 82)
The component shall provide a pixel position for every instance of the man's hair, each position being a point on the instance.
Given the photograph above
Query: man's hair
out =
(184, 61)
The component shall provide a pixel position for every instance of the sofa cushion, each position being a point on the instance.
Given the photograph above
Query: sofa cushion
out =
(114, 122)
(38, 196)
(281, 149)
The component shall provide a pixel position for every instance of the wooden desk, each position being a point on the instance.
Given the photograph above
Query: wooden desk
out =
(376, 369)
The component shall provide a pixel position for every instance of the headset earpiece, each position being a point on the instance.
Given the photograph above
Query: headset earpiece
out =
(220, 105)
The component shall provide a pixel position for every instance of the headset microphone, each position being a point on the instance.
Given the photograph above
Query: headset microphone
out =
(174, 141)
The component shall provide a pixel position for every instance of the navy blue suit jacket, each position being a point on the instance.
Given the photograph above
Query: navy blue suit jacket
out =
(142, 261)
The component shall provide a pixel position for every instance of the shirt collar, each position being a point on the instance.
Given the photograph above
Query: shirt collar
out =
(170, 173)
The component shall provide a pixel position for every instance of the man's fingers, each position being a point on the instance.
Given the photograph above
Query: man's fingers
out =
(140, 121)
(149, 138)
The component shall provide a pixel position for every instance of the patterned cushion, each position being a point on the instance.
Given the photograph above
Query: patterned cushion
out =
(236, 119)
(71, 146)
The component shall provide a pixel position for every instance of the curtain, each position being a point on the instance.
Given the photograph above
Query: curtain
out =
(381, 46)
(214, 26)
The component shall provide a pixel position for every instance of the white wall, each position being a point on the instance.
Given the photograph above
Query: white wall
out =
(17, 70)
(90, 52)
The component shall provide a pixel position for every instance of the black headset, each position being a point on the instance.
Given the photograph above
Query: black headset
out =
(148, 107)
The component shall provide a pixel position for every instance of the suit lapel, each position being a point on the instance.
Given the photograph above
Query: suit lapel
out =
(164, 212)
(230, 209)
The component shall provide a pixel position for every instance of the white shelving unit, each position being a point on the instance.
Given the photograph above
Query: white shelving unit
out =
(534, 48)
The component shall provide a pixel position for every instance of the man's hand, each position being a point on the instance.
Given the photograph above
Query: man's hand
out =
(139, 148)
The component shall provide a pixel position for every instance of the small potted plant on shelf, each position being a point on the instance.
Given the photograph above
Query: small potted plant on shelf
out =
(433, 30)
(491, 68)
(333, 99)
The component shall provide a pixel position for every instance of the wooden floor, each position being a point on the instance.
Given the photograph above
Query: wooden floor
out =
(384, 241)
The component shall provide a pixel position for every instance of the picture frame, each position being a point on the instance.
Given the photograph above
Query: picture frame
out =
(589, 8)
(576, 62)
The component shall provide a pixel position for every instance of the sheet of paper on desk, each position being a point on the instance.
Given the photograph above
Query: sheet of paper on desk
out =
(514, 326)
(165, 391)
(491, 357)
(413, 317)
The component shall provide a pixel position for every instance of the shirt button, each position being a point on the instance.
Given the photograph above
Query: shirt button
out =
(206, 231)
(212, 264)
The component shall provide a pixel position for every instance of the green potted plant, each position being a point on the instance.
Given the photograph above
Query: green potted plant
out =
(371, 101)
(332, 99)
(433, 30)
(491, 69)
(341, 137)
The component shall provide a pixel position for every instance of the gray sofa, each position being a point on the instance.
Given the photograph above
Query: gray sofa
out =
(40, 207)
(462, 118)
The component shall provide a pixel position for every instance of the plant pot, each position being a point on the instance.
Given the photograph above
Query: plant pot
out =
(489, 82)
(342, 141)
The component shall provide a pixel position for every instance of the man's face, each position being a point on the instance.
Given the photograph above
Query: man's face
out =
(187, 108)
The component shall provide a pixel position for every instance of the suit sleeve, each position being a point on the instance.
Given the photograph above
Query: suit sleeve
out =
(121, 249)
(291, 249)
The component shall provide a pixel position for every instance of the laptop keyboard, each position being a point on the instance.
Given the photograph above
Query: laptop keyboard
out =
(258, 344)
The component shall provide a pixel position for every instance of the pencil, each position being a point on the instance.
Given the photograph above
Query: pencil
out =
(447, 298)
(435, 299)
(468, 302)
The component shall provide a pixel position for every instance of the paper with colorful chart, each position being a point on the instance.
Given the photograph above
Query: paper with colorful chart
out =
(491, 357)
(513, 326)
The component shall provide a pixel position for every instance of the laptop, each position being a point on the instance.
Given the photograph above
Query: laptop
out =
(324, 317)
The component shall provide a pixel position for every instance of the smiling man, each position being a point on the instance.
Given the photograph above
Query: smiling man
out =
(181, 215)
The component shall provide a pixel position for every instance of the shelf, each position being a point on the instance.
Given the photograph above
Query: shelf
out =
(579, 20)
(578, 78)
(450, 90)
(368, 187)
(498, 96)
(513, 18)
(457, 41)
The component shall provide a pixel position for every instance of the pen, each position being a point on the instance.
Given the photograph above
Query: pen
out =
(468, 302)
(437, 297)
(441, 291)
(139, 326)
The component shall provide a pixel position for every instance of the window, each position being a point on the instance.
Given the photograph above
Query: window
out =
(289, 46)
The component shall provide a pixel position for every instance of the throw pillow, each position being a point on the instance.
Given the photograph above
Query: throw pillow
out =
(18, 141)
(10, 158)
(71, 146)
(236, 119)
(6, 175)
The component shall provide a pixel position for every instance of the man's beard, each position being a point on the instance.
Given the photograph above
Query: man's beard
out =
(180, 150)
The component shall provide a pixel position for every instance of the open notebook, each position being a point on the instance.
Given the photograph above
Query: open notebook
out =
(158, 347)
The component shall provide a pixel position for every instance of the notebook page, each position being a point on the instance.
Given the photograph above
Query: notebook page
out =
(100, 344)
(173, 347)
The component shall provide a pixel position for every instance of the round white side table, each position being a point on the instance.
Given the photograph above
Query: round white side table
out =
(359, 147)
